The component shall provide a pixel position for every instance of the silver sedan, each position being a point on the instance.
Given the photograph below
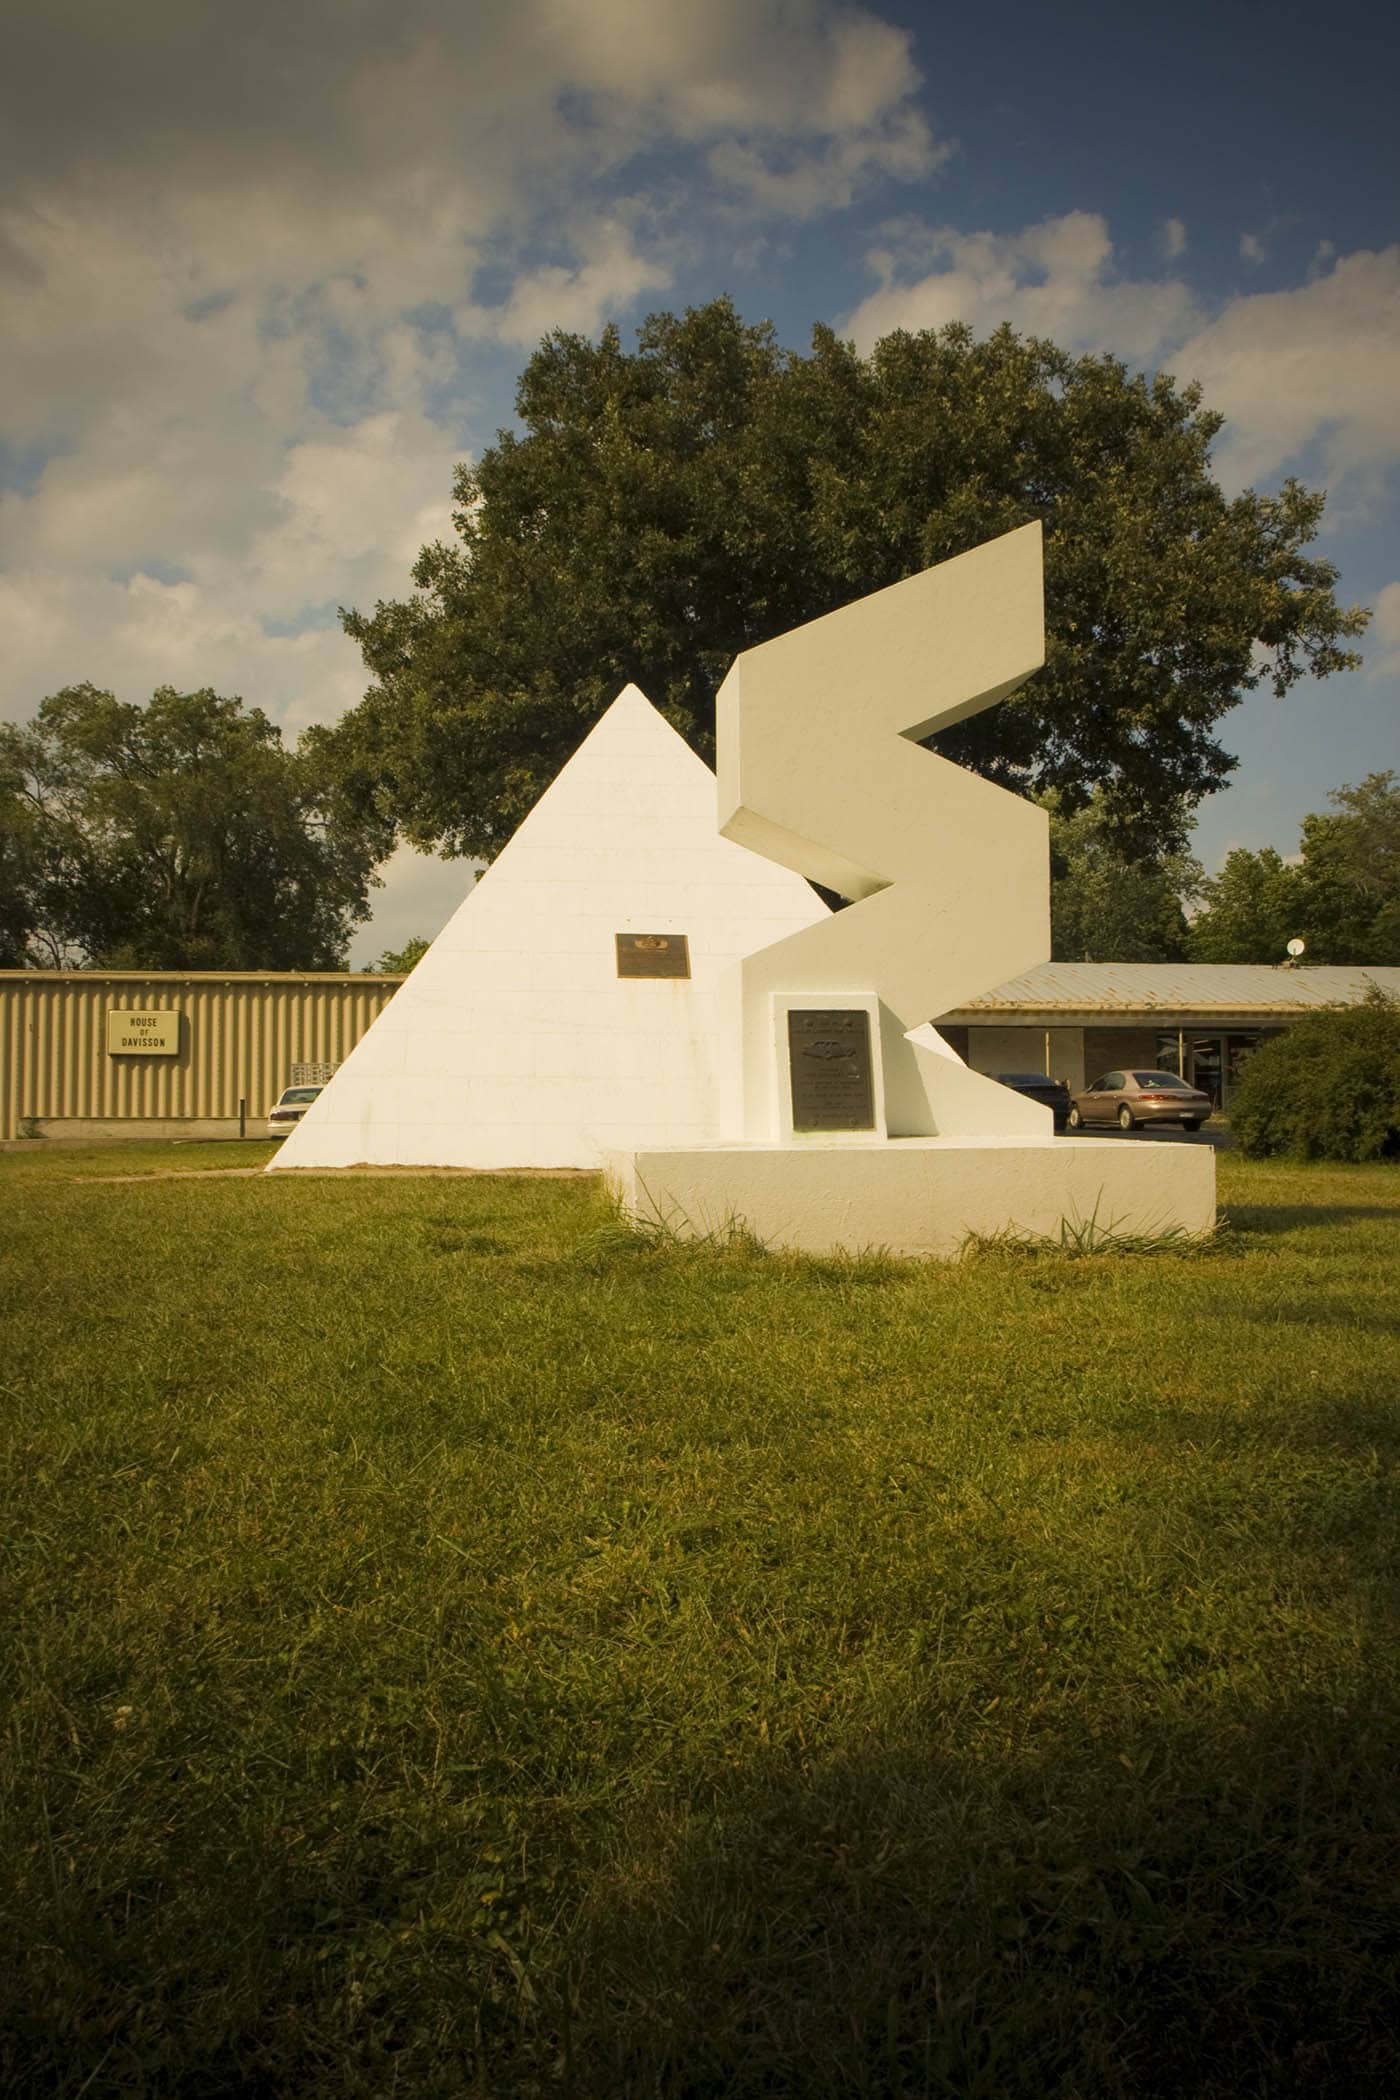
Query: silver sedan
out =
(1130, 1098)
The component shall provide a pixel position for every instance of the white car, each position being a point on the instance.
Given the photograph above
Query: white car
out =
(289, 1108)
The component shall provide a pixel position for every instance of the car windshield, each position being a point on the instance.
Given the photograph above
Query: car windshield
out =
(298, 1096)
(1163, 1082)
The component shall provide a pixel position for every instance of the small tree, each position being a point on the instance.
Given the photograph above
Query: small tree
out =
(397, 962)
(1351, 866)
(21, 869)
(1328, 1089)
(1252, 909)
(1341, 895)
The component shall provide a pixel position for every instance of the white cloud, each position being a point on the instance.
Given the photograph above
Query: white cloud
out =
(222, 229)
(853, 95)
(1383, 650)
(199, 496)
(1055, 279)
(1315, 366)
(798, 184)
(1252, 248)
(419, 895)
(607, 273)
(1172, 238)
(797, 69)
(355, 507)
(62, 627)
(1305, 371)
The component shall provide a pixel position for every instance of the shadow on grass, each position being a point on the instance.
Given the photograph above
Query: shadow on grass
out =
(1356, 1432)
(1037, 1894)
(1272, 1219)
(1315, 1314)
(1201, 1901)
(1201, 1904)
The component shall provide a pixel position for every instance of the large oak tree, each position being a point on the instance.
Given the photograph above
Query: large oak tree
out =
(661, 509)
(181, 835)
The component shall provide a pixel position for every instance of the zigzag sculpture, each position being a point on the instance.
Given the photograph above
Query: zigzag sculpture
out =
(819, 770)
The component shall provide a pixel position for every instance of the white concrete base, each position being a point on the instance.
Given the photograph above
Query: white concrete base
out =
(918, 1196)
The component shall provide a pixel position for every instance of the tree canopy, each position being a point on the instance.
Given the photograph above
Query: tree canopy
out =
(22, 870)
(1251, 910)
(661, 509)
(181, 835)
(397, 962)
(1341, 896)
(1107, 905)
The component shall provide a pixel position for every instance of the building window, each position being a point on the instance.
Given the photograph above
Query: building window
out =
(1211, 1062)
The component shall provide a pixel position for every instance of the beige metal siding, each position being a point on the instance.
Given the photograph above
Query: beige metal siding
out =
(239, 1036)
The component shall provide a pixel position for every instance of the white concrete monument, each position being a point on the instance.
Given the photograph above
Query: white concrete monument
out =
(850, 1122)
(572, 1003)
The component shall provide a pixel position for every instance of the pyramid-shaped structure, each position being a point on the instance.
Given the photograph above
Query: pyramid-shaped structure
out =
(516, 1042)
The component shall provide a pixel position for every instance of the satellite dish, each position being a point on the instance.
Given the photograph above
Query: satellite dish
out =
(1295, 948)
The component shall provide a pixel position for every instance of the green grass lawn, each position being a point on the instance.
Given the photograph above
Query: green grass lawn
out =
(452, 1648)
(68, 1161)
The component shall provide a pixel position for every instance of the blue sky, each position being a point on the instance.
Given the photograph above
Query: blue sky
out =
(269, 272)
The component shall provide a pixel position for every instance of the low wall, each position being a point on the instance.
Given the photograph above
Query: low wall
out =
(99, 1130)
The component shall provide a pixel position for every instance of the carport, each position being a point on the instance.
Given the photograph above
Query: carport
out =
(1077, 1020)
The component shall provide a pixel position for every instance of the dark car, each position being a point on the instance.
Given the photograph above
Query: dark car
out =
(1050, 1093)
(1130, 1098)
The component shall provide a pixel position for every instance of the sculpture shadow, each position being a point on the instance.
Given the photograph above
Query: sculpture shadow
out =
(1271, 1219)
(1198, 1900)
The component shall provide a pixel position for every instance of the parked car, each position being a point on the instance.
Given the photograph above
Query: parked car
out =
(1130, 1098)
(1050, 1093)
(289, 1108)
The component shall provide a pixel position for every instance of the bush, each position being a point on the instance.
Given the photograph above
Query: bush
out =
(1328, 1089)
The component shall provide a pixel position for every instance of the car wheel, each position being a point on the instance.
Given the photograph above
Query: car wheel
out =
(1190, 1122)
(1125, 1117)
(1075, 1120)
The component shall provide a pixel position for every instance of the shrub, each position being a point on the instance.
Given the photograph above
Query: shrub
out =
(1328, 1089)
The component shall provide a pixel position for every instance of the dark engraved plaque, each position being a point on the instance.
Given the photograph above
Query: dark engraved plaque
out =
(652, 955)
(829, 1056)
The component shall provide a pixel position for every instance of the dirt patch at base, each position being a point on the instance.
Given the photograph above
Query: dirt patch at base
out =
(336, 1173)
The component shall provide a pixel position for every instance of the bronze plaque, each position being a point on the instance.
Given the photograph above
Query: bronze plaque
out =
(652, 955)
(829, 1056)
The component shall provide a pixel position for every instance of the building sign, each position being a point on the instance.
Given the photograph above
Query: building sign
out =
(133, 1032)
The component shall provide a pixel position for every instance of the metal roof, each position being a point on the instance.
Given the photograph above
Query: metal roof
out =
(90, 977)
(1195, 988)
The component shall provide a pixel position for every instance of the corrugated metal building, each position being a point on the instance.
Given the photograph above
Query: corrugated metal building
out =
(87, 1054)
(70, 1062)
